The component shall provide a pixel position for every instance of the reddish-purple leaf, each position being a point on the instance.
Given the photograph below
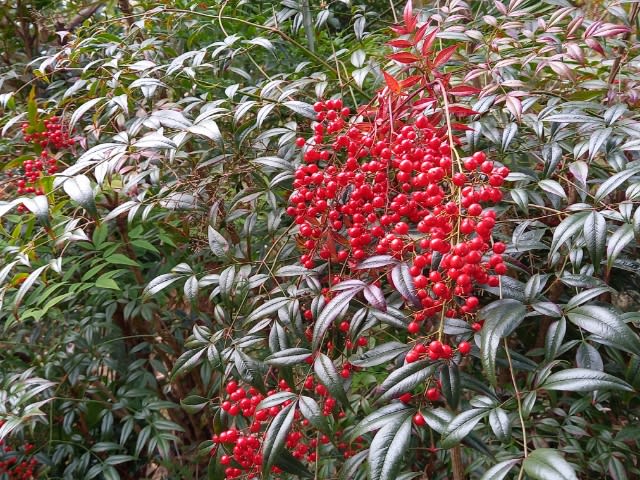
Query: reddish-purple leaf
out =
(464, 90)
(375, 297)
(400, 43)
(410, 20)
(444, 56)
(392, 83)
(404, 57)
(461, 111)
(428, 41)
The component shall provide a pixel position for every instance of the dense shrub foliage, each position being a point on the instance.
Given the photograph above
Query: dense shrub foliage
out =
(329, 240)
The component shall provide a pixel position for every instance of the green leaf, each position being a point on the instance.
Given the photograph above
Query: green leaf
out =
(554, 338)
(500, 424)
(217, 243)
(606, 325)
(330, 312)
(501, 318)
(187, 361)
(405, 378)
(290, 356)
(567, 229)
(80, 190)
(159, 283)
(461, 425)
(120, 259)
(596, 139)
(301, 108)
(588, 357)
(614, 182)
(450, 380)
(288, 463)
(84, 108)
(353, 465)
(620, 239)
(595, 235)
(311, 411)
(380, 354)
(387, 449)
(548, 464)
(275, 438)
(275, 399)
(377, 419)
(105, 281)
(27, 284)
(585, 296)
(268, 308)
(329, 377)
(193, 403)
(499, 471)
(584, 380)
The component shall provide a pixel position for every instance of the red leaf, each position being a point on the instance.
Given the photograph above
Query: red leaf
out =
(392, 83)
(444, 56)
(461, 111)
(420, 33)
(410, 81)
(464, 90)
(399, 30)
(428, 41)
(400, 43)
(409, 19)
(594, 45)
(404, 57)
(460, 126)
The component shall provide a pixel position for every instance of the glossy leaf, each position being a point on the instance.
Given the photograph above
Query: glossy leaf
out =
(548, 464)
(584, 380)
(501, 318)
(606, 325)
(388, 448)
(275, 437)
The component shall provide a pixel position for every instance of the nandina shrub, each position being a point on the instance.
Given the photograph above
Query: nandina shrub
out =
(425, 271)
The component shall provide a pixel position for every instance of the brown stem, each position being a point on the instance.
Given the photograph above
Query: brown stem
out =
(456, 463)
(617, 63)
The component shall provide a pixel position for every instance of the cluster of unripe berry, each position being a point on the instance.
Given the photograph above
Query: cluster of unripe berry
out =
(14, 465)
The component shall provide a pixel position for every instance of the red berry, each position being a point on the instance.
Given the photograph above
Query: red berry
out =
(464, 348)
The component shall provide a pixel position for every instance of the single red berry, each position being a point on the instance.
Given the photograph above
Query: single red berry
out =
(464, 348)
(433, 394)
(418, 420)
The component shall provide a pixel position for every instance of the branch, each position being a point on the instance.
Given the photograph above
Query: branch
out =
(83, 15)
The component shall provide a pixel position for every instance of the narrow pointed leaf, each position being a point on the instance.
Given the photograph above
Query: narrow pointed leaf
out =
(329, 377)
(461, 425)
(607, 325)
(388, 448)
(403, 281)
(275, 438)
(330, 312)
(584, 380)
(377, 419)
(501, 318)
(405, 379)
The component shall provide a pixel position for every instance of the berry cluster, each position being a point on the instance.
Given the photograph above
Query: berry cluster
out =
(14, 465)
(54, 134)
(47, 139)
(242, 447)
(398, 192)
